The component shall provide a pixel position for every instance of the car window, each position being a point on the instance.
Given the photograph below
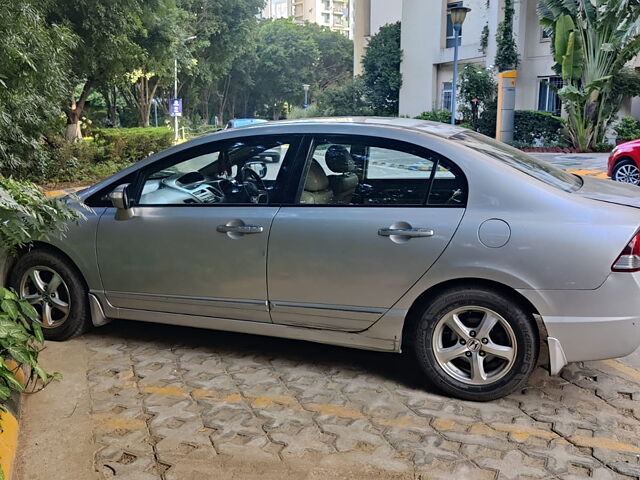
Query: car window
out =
(543, 171)
(373, 173)
(239, 172)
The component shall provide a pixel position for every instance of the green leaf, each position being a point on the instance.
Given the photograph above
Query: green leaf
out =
(8, 377)
(41, 373)
(37, 331)
(28, 310)
(20, 354)
(10, 307)
(564, 26)
(5, 392)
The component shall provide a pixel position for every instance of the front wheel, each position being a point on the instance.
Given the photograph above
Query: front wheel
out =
(57, 292)
(475, 344)
(626, 171)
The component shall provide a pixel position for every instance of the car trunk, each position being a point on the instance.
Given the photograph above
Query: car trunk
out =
(610, 191)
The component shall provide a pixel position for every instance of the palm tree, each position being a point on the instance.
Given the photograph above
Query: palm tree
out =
(592, 42)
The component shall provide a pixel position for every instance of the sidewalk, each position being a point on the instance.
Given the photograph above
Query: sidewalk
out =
(591, 164)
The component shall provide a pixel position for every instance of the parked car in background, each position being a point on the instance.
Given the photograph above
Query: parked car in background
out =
(243, 122)
(381, 234)
(624, 163)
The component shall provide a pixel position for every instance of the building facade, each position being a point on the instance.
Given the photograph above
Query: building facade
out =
(334, 14)
(427, 44)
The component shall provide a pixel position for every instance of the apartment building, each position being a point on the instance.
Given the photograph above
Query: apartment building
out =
(428, 41)
(334, 14)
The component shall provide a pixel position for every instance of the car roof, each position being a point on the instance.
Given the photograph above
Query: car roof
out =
(443, 130)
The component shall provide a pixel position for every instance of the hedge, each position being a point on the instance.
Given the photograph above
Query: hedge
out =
(130, 145)
(531, 127)
(442, 116)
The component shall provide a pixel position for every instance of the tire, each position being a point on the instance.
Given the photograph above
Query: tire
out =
(626, 171)
(71, 290)
(434, 342)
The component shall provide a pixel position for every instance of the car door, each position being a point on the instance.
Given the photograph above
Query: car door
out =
(195, 248)
(372, 215)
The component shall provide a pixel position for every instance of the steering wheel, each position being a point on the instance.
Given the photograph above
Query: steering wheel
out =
(253, 185)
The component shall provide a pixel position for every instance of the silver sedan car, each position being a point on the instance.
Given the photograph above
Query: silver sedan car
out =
(381, 234)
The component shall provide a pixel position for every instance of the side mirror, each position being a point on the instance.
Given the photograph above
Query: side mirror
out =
(257, 166)
(119, 197)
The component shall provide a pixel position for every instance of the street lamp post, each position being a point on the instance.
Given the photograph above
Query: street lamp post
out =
(458, 14)
(306, 95)
(175, 87)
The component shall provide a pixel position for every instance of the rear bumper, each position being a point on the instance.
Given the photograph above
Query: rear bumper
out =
(574, 339)
(591, 324)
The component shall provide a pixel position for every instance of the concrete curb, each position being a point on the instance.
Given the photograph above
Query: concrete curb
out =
(10, 425)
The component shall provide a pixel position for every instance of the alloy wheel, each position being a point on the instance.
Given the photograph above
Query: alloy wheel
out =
(474, 345)
(628, 173)
(45, 289)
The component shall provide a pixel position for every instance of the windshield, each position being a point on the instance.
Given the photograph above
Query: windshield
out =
(539, 169)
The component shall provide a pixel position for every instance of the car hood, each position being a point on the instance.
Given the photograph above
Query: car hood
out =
(606, 190)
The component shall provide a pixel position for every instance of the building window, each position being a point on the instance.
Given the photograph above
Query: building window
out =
(544, 35)
(447, 95)
(451, 39)
(325, 18)
(548, 100)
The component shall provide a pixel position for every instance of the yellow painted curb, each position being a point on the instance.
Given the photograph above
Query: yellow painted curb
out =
(8, 442)
(57, 193)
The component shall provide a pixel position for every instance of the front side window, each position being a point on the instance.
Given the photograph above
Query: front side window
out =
(236, 172)
(376, 172)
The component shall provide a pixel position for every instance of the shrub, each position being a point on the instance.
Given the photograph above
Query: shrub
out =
(443, 116)
(299, 112)
(534, 127)
(602, 147)
(26, 215)
(627, 129)
(130, 145)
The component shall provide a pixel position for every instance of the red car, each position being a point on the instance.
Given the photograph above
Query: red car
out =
(624, 162)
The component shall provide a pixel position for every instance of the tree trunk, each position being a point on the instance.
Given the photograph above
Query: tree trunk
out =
(74, 113)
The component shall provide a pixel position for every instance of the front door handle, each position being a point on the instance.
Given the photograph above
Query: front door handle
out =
(242, 229)
(406, 232)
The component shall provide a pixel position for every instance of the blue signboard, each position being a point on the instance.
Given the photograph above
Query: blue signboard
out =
(176, 107)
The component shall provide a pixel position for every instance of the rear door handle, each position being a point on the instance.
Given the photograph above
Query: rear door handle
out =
(241, 229)
(406, 232)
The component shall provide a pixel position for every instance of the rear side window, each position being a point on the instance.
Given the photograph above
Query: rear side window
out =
(363, 171)
(543, 171)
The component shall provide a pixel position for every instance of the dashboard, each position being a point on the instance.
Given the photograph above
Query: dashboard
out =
(190, 188)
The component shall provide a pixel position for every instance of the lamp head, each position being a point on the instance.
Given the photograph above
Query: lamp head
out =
(458, 14)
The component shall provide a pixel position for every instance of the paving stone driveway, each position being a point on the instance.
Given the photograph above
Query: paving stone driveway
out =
(178, 403)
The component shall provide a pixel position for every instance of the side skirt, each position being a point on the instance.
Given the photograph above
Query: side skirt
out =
(345, 339)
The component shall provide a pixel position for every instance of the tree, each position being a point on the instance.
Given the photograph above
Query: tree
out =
(507, 52)
(477, 91)
(33, 81)
(225, 30)
(335, 63)
(286, 56)
(160, 40)
(347, 99)
(104, 50)
(591, 45)
(381, 65)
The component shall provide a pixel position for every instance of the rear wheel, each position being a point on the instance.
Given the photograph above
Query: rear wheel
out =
(56, 290)
(475, 344)
(626, 171)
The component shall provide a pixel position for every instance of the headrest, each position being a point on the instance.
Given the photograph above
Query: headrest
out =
(316, 178)
(339, 159)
